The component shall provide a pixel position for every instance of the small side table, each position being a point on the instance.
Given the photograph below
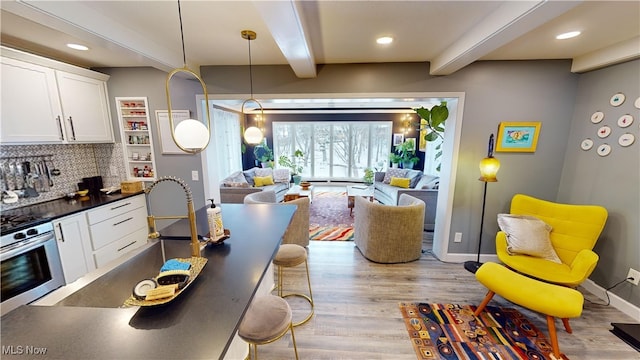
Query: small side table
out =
(358, 190)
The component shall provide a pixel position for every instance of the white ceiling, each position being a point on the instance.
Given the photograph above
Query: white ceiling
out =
(303, 34)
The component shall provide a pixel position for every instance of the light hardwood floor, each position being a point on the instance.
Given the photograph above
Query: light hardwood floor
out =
(357, 315)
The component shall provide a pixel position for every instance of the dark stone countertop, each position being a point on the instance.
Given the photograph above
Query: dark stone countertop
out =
(53, 209)
(198, 324)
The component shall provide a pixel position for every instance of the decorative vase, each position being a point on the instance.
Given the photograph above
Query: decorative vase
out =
(296, 179)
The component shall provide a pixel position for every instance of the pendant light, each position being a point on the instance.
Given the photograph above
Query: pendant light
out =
(252, 135)
(191, 136)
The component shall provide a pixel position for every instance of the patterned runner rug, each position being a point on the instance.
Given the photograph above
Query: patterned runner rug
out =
(448, 331)
(329, 218)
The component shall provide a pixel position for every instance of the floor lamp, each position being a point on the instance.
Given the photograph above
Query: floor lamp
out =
(488, 169)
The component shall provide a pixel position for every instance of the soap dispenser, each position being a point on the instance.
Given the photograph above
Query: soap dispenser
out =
(214, 217)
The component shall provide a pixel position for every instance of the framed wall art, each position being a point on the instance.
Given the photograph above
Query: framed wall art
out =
(164, 129)
(398, 139)
(412, 142)
(518, 136)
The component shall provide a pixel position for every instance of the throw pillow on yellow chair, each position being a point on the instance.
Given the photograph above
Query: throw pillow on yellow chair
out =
(575, 230)
(400, 182)
(263, 180)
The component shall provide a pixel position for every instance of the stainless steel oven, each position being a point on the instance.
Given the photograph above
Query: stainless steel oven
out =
(31, 266)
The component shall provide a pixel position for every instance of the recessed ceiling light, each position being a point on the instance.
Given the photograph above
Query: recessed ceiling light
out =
(78, 47)
(568, 35)
(384, 40)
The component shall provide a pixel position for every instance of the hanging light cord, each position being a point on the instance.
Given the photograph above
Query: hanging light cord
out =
(250, 71)
(184, 54)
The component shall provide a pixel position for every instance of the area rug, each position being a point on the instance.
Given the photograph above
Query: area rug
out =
(451, 332)
(329, 218)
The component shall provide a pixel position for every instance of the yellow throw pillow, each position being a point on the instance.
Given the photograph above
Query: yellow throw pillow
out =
(263, 180)
(400, 182)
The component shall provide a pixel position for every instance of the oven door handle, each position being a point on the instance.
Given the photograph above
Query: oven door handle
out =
(21, 248)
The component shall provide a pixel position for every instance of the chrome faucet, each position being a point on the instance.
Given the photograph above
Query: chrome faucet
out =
(191, 214)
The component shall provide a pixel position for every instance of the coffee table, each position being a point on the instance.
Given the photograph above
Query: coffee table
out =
(358, 190)
(296, 192)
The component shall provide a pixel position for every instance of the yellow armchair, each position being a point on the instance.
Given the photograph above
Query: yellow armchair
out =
(576, 228)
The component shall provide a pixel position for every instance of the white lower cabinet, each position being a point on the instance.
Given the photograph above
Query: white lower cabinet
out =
(93, 238)
(117, 228)
(72, 236)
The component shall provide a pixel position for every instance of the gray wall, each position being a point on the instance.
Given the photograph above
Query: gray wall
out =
(166, 198)
(495, 91)
(612, 181)
(544, 91)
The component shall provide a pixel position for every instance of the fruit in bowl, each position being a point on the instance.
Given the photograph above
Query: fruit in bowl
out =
(83, 192)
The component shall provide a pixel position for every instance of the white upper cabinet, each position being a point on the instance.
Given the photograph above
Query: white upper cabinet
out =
(47, 102)
(31, 109)
(85, 108)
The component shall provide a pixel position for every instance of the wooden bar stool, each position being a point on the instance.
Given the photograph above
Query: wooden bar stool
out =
(267, 320)
(290, 255)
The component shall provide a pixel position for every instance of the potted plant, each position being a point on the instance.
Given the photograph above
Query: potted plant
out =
(294, 163)
(395, 159)
(407, 153)
(368, 176)
(434, 120)
(263, 154)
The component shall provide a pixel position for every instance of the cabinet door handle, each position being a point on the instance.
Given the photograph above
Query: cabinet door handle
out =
(119, 206)
(126, 246)
(61, 233)
(73, 131)
(60, 127)
(123, 221)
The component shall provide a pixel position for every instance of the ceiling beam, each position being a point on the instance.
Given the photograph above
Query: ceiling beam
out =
(617, 53)
(288, 30)
(80, 20)
(511, 20)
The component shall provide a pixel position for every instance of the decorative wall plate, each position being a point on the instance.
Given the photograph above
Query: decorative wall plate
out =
(626, 139)
(604, 131)
(604, 149)
(586, 144)
(637, 103)
(617, 99)
(597, 116)
(625, 120)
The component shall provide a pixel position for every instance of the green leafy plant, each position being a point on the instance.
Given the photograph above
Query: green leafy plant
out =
(368, 176)
(294, 163)
(434, 121)
(263, 153)
(406, 152)
(394, 158)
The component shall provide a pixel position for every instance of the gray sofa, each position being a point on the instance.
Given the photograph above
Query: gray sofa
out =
(421, 186)
(236, 186)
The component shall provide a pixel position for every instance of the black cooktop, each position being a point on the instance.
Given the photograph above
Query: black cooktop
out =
(28, 216)
(10, 222)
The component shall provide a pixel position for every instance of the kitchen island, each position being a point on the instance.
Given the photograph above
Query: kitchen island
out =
(198, 324)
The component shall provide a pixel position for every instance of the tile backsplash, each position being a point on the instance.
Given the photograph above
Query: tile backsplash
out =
(75, 161)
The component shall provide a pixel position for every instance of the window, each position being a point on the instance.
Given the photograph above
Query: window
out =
(335, 150)
(226, 129)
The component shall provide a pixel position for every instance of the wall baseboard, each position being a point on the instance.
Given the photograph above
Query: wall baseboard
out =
(616, 301)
